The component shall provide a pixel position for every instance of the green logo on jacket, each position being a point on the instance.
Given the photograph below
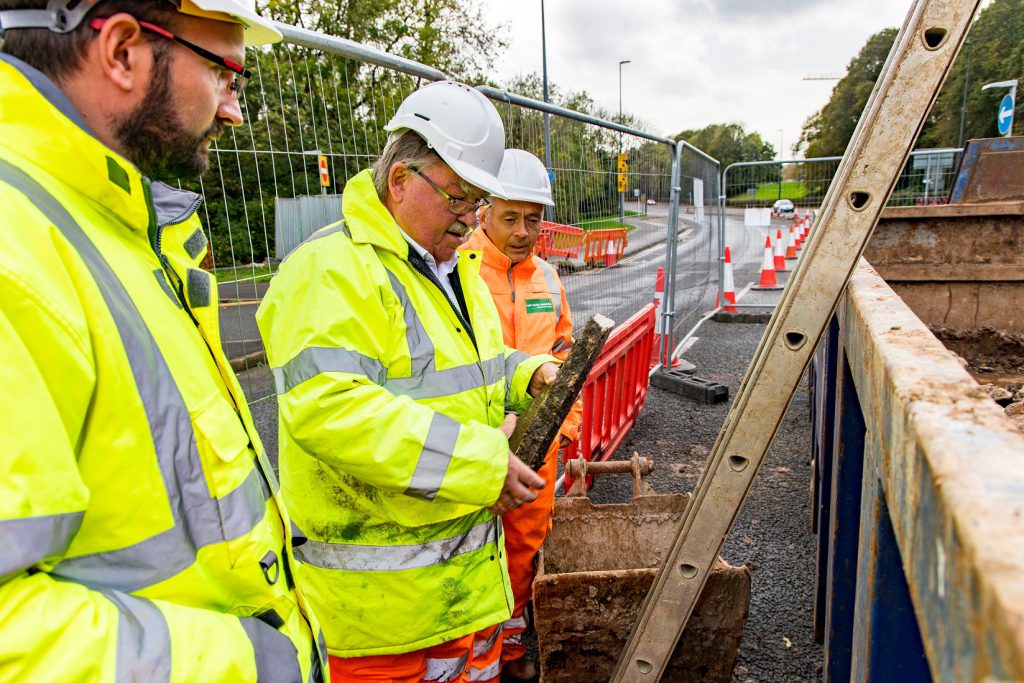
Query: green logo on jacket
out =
(539, 306)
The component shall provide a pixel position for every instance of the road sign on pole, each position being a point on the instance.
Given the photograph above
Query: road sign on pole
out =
(621, 161)
(1004, 115)
(623, 184)
(325, 176)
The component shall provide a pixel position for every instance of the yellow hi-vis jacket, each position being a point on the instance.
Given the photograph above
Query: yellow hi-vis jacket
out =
(141, 535)
(389, 407)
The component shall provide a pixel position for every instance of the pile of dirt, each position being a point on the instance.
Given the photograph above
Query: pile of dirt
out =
(986, 350)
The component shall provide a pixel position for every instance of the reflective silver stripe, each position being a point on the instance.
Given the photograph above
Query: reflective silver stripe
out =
(371, 558)
(27, 540)
(421, 348)
(197, 516)
(561, 345)
(438, 448)
(482, 647)
(514, 623)
(513, 638)
(143, 640)
(162, 556)
(161, 278)
(513, 361)
(314, 360)
(551, 278)
(487, 673)
(445, 669)
(448, 381)
(276, 656)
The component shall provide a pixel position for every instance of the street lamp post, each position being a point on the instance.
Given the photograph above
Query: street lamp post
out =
(780, 165)
(622, 195)
(548, 211)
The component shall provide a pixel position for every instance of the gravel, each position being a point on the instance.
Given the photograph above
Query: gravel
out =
(772, 534)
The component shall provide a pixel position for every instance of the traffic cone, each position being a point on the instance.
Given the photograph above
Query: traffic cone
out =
(768, 280)
(728, 284)
(791, 244)
(780, 253)
(659, 333)
(798, 233)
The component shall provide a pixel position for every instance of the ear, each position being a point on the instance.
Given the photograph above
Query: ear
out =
(398, 179)
(122, 52)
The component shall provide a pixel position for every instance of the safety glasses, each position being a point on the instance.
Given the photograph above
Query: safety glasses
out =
(457, 205)
(234, 76)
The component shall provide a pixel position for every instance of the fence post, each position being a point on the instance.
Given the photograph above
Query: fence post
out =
(668, 303)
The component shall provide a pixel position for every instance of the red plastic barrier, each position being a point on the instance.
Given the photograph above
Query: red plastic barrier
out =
(604, 247)
(615, 390)
(556, 239)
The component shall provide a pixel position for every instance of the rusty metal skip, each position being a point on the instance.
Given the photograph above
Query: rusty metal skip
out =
(919, 62)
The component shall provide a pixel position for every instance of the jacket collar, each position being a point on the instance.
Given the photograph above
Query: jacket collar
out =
(40, 126)
(492, 256)
(367, 219)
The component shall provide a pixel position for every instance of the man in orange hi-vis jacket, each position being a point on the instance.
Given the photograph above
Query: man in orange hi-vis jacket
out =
(535, 318)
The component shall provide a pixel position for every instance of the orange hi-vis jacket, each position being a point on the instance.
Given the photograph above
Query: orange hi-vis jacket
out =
(535, 316)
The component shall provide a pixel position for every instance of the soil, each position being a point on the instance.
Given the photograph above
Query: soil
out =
(992, 355)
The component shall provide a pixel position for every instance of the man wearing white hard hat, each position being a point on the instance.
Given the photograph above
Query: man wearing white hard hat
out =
(392, 381)
(535, 318)
(142, 536)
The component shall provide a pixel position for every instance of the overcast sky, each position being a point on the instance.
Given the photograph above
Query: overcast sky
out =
(696, 62)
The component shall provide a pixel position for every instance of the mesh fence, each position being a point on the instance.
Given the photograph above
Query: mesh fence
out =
(264, 195)
(603, 242)
(766, 198)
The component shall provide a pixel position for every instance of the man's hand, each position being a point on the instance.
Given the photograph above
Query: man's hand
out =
(509, 424)
(518, 489)
(542, 377)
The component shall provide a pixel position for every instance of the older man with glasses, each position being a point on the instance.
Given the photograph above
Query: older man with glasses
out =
(392, 380)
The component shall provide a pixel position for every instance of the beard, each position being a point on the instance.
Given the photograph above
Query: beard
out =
(153, 137)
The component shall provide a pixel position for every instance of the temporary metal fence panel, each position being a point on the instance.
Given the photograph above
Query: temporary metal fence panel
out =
(752, 190)
(296, 218)
(607, 251)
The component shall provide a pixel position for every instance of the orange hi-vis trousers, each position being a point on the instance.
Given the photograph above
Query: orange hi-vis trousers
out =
(472, 658)
(526, 527)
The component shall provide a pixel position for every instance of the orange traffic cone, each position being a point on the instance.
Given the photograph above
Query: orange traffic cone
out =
(780, 253)
(659, 332)
(791, 244)
(798, 234)
(768, 280)
(728, 284)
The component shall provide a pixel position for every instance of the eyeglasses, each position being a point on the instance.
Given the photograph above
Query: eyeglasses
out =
(234, 76)
(459, 206)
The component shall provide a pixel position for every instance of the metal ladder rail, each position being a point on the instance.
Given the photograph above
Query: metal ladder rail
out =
(918, 64)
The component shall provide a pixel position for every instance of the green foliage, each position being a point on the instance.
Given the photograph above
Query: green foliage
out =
(827, 132)
(788, 189)
(730, 144)
(995, 52)
(301, 101)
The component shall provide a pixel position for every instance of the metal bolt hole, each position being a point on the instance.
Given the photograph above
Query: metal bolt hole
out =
(794, 340)
(859, 200)
(688, 570)
(738, 463)
(643, 666)
(934, 37)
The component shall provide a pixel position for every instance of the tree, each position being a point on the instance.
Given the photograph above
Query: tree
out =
(827, 132)
(730, 144)
(996, 53)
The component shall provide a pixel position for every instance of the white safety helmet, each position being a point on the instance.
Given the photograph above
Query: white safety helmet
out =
(524, 178)
(64, 16)
(461, 125)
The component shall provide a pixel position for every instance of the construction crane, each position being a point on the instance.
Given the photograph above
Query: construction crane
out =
(823, 77)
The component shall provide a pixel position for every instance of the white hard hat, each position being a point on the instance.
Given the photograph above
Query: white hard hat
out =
(258, 31)
(461, 125)
(64, 16)
(524, 178)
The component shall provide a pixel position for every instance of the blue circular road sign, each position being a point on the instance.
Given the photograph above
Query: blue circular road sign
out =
(1004, 119)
